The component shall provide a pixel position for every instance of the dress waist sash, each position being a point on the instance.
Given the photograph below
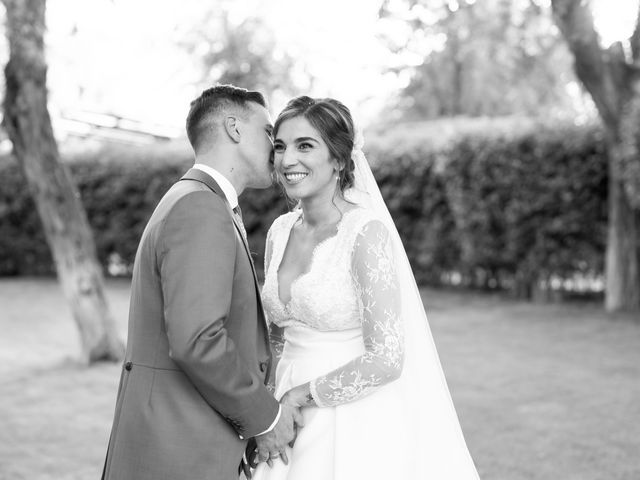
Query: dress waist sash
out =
(309, 353)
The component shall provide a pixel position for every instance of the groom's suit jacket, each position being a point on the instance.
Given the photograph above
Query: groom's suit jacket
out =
(192, 385)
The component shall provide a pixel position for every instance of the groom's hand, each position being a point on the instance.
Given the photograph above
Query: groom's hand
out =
(249, 459)
(272, 445)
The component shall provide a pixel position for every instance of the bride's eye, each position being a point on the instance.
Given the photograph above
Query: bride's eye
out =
(278, 148)
(304, 146)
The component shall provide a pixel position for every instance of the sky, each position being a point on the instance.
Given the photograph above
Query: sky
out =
(123, 57)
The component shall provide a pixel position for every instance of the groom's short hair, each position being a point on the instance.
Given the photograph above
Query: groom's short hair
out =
(212, 104)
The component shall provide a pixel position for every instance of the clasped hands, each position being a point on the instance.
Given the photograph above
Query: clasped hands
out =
(272, 445)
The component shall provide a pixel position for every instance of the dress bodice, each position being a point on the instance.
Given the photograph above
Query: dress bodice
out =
(325, 296)
(350, 286)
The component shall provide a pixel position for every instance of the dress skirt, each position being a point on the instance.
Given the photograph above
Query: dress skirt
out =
(369, 438)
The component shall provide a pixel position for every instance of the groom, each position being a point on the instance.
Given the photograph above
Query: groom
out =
(192, 390)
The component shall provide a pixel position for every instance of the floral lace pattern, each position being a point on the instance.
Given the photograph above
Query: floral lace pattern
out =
(351, 283)
(337, 307)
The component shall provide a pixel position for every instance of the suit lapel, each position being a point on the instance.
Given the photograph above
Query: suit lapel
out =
(200, 176)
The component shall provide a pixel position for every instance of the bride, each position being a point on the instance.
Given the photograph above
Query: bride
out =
(354, 348)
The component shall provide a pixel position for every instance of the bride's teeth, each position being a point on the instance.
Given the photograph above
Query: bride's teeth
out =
(295, 177)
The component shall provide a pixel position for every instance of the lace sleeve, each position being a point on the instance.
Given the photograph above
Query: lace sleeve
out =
(374, 276)
(276, 333)
(268, 250)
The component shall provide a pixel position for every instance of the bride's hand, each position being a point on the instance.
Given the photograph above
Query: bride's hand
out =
(299, 396)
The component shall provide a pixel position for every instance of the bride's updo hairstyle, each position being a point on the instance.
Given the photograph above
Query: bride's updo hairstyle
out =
(333, 122)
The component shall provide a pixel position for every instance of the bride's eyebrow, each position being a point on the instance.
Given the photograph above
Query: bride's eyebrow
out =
(297, 140)
(305, 139)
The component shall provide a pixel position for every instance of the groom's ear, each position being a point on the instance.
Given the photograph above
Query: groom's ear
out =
(231, 127)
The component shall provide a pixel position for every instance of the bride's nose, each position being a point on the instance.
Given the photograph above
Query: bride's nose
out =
(289, 157)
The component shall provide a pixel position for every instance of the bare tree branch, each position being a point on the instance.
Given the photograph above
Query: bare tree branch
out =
(592, 64)
(635, 38)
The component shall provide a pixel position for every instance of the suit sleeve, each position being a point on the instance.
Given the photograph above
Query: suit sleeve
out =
(197, 263)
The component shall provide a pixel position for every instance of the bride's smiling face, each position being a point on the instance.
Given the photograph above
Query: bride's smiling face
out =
(302, 160)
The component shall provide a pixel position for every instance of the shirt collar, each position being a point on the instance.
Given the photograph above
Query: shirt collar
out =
(225, 185)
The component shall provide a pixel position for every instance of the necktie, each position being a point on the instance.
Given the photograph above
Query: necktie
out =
(238, 214)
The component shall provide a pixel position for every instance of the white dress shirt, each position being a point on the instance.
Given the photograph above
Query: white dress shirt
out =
(222, 181)
(232, 197)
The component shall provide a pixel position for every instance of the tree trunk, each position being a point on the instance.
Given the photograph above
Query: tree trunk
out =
(622, 281)
(28, 124)
(609, 78)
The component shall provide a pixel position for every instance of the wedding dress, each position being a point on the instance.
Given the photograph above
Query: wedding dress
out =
(354, 324)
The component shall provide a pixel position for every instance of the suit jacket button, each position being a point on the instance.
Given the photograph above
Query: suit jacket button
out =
(128, 366)
(263, 366)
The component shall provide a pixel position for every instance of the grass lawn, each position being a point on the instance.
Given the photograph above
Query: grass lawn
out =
(542, 391)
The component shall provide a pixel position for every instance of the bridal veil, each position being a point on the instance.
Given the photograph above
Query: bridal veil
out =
(438, 446)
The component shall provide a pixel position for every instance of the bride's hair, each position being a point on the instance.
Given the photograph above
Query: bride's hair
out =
(333, 121)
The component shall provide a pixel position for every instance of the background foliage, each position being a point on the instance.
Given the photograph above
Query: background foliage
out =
(494, 204)
(494, 57)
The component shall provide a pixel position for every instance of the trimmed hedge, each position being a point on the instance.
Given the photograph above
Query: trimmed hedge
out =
(120, 188)
(502, 209)
(506, 207)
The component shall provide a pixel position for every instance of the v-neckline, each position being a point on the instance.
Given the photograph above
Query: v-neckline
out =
(313, 257)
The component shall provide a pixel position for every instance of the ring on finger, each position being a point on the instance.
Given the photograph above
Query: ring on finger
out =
(274, 454)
